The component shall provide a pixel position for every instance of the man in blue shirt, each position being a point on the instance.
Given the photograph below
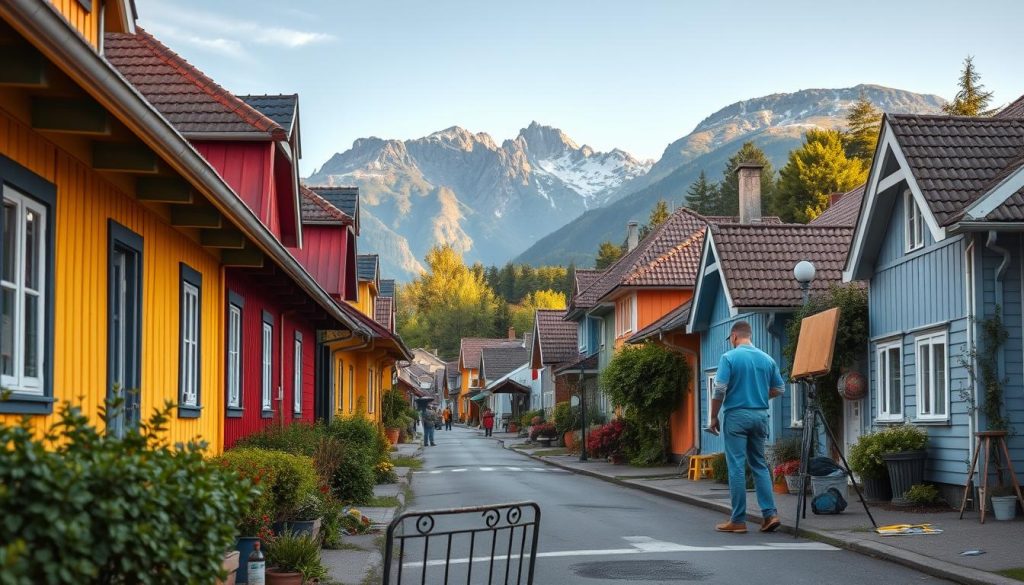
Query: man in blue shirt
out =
(746, 380)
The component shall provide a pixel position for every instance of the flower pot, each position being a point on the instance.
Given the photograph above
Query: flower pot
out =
(793, 484)
(310, 527)
(877, 489)
(244, 545)
(230, 565)
(1004, 507)
(393, 434)
(906, 469)
(513, 428)
(570, 440)
(274, 577)
(780, 487)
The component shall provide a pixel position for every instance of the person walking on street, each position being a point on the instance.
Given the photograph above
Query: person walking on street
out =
(447, 414)
(488, 423)
(746, 380)
(429, 417)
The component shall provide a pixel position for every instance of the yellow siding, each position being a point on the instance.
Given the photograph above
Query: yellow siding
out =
(84, 21)
(84, 203)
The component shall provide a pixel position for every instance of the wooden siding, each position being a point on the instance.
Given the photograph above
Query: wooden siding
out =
(324, 253)
(249, 168)
(86, 22)
(893, 243)
(367, 297)
(655, 304)
(85, 203)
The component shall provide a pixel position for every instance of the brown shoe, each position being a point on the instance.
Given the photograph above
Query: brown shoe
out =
(771, 524)
(735, 527)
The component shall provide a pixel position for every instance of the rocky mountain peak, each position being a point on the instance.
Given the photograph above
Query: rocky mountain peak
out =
(544, 141)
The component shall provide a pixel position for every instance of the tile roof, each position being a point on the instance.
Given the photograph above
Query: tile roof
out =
(317, 210)
(955, 160)
(452, 367)
(344, 198)
(190, 100)
(470, 348)
(557, 337)
(846, 211)
(584, 362)
(383, 312)
(368, 267)
(1014, 110)
(671, 321)
(281, 108)
(585, 278)
(498, 361)
(757, 260)
(387, 288)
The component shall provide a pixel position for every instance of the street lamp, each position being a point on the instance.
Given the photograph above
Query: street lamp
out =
(583, 417)
(804, 274)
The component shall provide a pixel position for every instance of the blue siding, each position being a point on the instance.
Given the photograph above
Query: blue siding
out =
(894, 243)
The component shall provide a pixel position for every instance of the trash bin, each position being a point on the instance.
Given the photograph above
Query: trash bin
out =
(837, 479)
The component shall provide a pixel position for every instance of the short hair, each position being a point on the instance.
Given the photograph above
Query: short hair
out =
(742, 329)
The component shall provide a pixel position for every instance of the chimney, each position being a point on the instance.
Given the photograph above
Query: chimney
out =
(749, 175)
(632, 235)
(834, 198)
(512, 333)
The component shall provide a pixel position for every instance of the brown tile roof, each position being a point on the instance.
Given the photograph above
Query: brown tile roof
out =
(190, 100)
(470, 348)
(955, 160)
(1014, 110)
(586, 363)
(846, 211)
(317, 210)
(383, 312)
(498, 361)
(757, 260)
(671, 321)
(585, 278)
(557, 337)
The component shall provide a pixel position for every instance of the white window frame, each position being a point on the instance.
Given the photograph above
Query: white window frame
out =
(234, 365)
(581, 336)
(929, 342)
(882, 378)
(914, 223)
(297, 375)
(474, 379)
(625, 307)
(709, 390)
(267, 367)
(796, 406)
(190, 344)
(19, 382)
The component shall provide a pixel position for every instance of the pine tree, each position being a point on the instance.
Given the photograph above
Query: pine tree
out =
(972, 99)
(657, 217)
(702, 196)
(814, 171)
(570, 280)
(729, 188)
(607, 254)
(862, 125)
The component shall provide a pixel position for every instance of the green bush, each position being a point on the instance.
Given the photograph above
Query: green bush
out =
(527, 418)
(393, 409)
(362, 433)
(286, 481)
(866, 455)
(720, 471)
(82, 506)
(330, 527)
(354, 478)
(297, 438)
(923, 495)
(296, 553)
(567, 418)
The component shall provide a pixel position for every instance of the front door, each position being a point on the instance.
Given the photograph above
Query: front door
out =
(124, 328)
(852, 423)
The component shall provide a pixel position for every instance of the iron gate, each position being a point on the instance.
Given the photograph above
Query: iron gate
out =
(500, 542)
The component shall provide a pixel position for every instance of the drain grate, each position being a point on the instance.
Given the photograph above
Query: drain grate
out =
(640, 571)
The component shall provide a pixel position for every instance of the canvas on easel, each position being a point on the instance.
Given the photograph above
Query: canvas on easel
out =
(816, 345)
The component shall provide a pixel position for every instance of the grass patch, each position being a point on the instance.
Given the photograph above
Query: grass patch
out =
(1017, 573)
(384, 502)
(409, 497)
(346, 546)
(406, 461)
(549, 452)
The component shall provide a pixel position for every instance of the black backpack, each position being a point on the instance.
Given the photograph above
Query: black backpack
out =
(830, 502)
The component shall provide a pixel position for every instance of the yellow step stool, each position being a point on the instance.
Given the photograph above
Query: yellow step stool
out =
(700, 466)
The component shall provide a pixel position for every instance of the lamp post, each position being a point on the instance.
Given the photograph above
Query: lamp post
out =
(804, 274)
(583, 417)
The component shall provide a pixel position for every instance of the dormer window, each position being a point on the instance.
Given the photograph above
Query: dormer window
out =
(914, 224)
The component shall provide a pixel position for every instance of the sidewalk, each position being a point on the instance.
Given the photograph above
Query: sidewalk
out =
(937, 555)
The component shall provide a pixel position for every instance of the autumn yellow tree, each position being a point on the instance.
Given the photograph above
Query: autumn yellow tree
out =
(814, 171)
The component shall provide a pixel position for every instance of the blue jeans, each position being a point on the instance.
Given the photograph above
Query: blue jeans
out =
(745, 432)
(428, 433)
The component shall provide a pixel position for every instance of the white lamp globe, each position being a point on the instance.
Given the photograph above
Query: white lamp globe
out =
(804, 272)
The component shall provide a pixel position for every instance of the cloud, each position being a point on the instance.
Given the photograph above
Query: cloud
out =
(224, 46)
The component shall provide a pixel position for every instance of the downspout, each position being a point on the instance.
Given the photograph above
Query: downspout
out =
(999, 277)
(969, 271)
(697, 385)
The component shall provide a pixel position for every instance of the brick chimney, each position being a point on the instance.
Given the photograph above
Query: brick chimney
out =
(749, 175)
(834, 198)
(632, 235)
(512, 333)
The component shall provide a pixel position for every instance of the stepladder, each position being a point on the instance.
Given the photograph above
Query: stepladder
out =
(1003, 467)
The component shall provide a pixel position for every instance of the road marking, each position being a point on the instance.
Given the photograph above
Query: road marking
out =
(514, 468)
(642, 545)
(497, 469)
(486, 469)
(458, 470)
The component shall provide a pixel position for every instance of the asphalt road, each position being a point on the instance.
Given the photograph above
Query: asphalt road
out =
(594, 532)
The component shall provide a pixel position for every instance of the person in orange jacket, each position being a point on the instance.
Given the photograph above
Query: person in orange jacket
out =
(447, 416)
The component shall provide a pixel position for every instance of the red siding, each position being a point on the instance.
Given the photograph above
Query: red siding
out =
(252, 420)
(325, 255)
(249, 168)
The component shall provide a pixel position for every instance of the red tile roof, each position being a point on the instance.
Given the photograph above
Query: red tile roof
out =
(470, 347)
(317, 210)
(190, 100)
(844, 212)
(757, 260)
(556, 337)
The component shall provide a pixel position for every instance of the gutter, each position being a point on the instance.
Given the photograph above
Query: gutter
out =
(51, 35)
(983, 226)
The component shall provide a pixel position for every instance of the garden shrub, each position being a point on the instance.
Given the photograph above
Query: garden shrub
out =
(286, 481)
(866, 453)
(606, 440)
(354, 477)
(528, 416)
(361, 432)
(82, 506)
(298, 438)
(923, 494)
(567, 418)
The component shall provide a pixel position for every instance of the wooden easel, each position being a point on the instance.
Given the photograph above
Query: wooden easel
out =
(985, 438)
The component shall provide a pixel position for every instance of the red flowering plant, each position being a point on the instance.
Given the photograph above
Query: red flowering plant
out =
(790, 467)
(607, 439)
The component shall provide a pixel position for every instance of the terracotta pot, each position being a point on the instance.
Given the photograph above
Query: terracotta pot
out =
(570, 440)
(780, 487)
(276, 578)
(393, 435)
(513, 428)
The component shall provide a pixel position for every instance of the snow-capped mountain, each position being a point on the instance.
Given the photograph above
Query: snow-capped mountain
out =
(489, 201)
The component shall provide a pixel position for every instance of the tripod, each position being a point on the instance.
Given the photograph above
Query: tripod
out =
(812, 416)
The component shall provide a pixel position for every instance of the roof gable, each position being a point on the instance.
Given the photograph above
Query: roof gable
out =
(470, 348)
(283, 109)
(318, 211)
(554, 338)
(387, 288)
(496, 362)
(368, 267)
(344, 198)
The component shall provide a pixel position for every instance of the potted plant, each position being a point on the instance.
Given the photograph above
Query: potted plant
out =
(306, 519)
(293, 559)
(781, 452)
(903, 450)
(544, 432)
(866, 461)
(567, 422)
(393, 415)
(790, 472)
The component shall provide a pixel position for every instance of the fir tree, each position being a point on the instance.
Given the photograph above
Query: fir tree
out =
(972, 99)
(607, 254)
(702, 196)
(814, 171)
(729, 188)
(862, 125)
(657, 217)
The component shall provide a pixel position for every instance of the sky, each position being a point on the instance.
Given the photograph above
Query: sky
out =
(633, 75)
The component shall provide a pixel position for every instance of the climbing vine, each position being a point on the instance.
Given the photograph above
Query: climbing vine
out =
(983, 369)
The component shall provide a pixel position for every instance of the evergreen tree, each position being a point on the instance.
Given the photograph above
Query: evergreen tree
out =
(659, 213)
(862, 125)
(814, 171)
(972, 99)
(702, 196)
(607, 254)
(508, 282)
(570, 280)
(729, 188)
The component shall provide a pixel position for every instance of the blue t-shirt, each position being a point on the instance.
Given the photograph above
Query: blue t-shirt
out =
(745, 374)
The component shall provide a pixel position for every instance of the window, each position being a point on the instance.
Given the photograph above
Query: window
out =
(796, 405)
(297, 379)
(474, 379)
(124, 324)
(890, 381)
(267, 365)
(932, 377)
(233, 368)
(581, 337)
(915, 222)
(23, 284)
(189, 342)
(625, 315)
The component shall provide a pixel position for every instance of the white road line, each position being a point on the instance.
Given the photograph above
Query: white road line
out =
(514, 468)
(498, 469)
(486, 469)
(458, 470)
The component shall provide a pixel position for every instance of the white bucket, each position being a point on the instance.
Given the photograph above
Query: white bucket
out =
(1004, 507)
(820, 485)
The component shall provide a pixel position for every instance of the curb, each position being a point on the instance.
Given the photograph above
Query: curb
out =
(924, 564)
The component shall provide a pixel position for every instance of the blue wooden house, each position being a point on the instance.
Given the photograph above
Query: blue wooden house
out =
(939, 243)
